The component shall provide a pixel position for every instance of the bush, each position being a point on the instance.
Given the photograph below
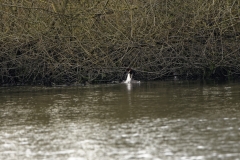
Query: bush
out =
(75, 41)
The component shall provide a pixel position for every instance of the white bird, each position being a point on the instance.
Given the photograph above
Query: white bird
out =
(130, 77)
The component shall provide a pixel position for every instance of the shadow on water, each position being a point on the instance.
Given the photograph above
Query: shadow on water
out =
(153, 120)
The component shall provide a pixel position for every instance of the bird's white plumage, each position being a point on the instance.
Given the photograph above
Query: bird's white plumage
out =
(129, 78)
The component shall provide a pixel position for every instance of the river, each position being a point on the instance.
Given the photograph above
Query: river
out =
(164, 120)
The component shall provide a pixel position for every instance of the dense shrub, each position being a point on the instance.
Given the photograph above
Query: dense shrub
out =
(63, 41)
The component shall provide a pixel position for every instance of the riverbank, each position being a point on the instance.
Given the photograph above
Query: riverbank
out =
(78, 42)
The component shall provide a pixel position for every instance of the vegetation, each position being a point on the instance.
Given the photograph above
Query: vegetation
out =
(61, 41)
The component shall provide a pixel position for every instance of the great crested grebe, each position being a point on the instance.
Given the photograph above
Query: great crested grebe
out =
(130, 77)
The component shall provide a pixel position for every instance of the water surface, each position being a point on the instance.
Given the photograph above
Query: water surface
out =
(174, 120)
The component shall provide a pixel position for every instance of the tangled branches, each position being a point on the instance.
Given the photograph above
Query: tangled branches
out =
(45, 41)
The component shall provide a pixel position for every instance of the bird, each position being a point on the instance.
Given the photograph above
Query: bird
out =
(130, 77)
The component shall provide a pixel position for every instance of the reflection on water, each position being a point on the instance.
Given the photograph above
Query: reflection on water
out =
(154, 120)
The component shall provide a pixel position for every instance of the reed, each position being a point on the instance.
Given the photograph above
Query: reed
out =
(75, 41)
